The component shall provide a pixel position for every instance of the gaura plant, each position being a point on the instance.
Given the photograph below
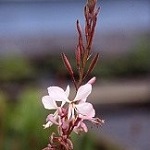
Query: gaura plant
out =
(69, 114)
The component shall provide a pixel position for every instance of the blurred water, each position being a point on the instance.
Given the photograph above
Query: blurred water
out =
(126, 126)
(53, 17)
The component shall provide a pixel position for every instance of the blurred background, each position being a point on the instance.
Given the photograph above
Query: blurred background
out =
(33, 33)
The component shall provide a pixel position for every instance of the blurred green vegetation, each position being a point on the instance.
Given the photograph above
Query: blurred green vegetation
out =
(15, 68)
(135, 63)
(22, 116)
(21, 122)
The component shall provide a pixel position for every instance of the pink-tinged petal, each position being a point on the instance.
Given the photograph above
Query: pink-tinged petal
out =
(48, 103)
(64, 124)
(81, 127)
(83, 100)
(97, 121)
(85, 110)
(92, 81)
(72, 113)
(57, 94)
(84, 127)
(52, 118)
(83, 92)
(67, 91)
(69, 111)
(47, 125)
(63, 103)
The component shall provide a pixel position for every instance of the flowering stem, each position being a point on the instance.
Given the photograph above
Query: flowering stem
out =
(83, 52)
(69, 115)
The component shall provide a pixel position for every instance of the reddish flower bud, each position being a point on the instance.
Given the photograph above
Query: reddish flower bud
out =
(67, 63)
(78, 56)
(93, 64)
(91, 5)
(69, 68)
(92, 81)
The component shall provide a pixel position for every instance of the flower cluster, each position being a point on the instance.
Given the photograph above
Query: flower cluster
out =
(69, 114)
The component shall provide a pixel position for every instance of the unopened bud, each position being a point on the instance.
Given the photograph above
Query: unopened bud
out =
(91, 5)
(91, 81)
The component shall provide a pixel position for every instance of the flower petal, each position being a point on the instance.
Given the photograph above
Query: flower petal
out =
(82, 100)
(85, 110)
(81, 127)
(70, 111)
(57, 94)
(52, 118)
(48, 124)
(92, 80)
(83, 92)
(84, 127)
(49, 103)
(67, 92)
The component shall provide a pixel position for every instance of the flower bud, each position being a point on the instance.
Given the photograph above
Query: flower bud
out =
(91, 81)
(91, 5)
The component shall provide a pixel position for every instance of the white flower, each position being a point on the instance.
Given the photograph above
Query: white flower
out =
(77, 107)
(50, 103)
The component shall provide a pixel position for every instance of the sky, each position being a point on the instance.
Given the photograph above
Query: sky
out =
(40, 25)
(60, 17)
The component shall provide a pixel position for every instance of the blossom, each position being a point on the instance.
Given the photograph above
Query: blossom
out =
(78, 107)
(51, 105)
(56, 94)
(80, 126)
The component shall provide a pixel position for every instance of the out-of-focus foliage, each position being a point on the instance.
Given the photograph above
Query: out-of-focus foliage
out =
(15, 68)
(135, 63)
(22, 122)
